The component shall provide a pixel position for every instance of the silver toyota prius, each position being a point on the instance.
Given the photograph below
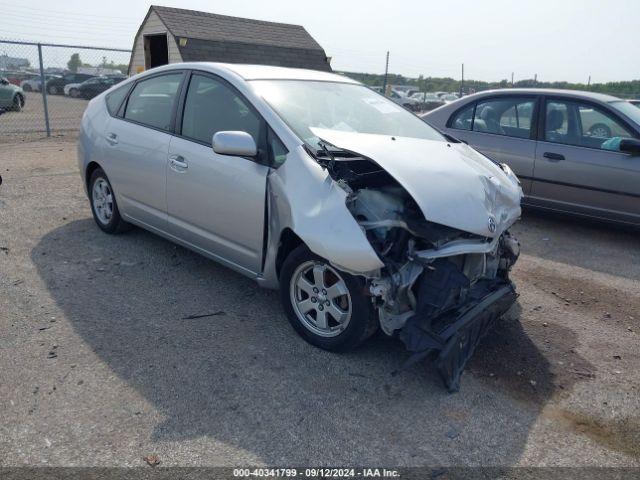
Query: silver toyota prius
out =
(362, 215)
(574, 152)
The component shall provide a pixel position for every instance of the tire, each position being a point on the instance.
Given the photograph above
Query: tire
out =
(600, 130)
(74, 93)
(52, 90)
(27, 88)
(103, 204)
(343, 292)
(18, 103)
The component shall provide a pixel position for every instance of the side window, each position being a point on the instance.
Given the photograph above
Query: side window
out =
(583, 125)
(506, 116)
(115, 98)
(211, 106)
(462, 119)
(597, 124)
(151, 101)
(278, 150)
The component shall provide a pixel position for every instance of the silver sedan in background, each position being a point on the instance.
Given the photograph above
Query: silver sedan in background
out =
(363, 216)
(575, 152)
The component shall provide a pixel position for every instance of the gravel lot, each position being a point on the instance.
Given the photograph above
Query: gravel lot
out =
(99, 364)
(64, 114)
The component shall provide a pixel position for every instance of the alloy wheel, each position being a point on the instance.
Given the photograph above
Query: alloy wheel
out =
(320, 298)
(102, 200)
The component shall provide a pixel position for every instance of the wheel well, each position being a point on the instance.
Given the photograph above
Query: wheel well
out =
(289, 241)
(90, 169)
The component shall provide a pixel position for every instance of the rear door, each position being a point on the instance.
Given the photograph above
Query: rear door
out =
(579, 168)
(216, 203)
(138, 140)
(502, 128)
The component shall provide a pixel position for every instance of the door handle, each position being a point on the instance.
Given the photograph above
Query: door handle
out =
(553, 156)
(178, 163)
(112, 138)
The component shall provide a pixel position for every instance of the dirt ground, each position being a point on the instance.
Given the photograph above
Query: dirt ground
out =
(101, 364)
(64, 114)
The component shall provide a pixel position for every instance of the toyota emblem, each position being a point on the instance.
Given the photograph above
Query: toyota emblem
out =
(492, 225)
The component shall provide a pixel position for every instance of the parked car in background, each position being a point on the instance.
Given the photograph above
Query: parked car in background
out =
(635, 102)
(94, 86)
(362, 215)
(55, 86)
(403, 100)
(16, 78)
(449, 97)
(71, 89)
(573, 151)
(34, 84)
(12, 97)
(428, 100)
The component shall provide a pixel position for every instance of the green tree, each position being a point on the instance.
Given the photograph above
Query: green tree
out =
(74, 62)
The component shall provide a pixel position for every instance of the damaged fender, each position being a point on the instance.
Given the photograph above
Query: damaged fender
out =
(321, 218)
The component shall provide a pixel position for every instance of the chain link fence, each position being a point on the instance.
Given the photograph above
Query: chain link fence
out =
(71, 76)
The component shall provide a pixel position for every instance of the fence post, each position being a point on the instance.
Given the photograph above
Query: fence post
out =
(43, 88)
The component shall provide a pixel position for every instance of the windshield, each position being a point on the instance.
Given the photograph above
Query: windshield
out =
(628, 109)
(339, 106)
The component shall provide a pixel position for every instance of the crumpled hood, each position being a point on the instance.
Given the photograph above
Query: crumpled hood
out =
(452, 184)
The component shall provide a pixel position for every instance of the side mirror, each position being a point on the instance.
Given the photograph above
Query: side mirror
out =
(630, 145)
(239, 144)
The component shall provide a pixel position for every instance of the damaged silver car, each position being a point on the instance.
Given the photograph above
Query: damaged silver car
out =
(361, 214)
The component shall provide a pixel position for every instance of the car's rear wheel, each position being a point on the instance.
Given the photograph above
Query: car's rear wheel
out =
(53, 90)
(327, 307)
(18, 103)
(103, 204)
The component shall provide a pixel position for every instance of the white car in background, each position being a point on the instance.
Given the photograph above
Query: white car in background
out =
(72, 90)
(450, 97)
(33, 84)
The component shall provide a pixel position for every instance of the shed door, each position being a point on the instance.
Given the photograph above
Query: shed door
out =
(156, 51)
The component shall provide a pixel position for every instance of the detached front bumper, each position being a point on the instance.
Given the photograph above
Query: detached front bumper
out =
(454, 336)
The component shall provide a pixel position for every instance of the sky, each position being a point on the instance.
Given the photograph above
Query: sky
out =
(557, 40)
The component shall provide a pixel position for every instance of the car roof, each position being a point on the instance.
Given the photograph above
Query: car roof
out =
(263, 72)
(601, 97)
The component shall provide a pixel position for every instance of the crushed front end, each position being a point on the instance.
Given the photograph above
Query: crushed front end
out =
(442, 288)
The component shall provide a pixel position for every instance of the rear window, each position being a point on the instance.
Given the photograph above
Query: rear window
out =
(115, 98)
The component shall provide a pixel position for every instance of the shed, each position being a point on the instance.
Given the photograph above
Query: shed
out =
(171, 35)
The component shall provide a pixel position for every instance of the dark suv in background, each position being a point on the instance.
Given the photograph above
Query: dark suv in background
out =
(55, 86)
(95, 86)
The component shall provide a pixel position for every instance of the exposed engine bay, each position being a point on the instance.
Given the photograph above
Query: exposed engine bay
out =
(441, 288)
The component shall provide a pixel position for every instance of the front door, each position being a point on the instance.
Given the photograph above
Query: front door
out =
(501, 128)
(579, 167)
(216, 203)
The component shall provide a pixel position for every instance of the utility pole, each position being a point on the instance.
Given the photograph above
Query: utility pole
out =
(462, 81)
(589, 81)
(535, 79)
(512, 79)
(386, 73)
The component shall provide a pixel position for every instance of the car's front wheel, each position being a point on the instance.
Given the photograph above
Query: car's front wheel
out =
(18, 103)
(103, 204)
(74, 93)
(53, 90)
(327, 307)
